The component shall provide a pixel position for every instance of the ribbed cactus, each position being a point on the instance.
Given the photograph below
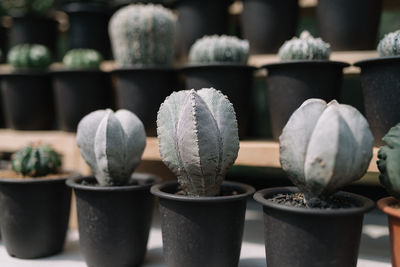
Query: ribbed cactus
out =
(390, 44)
(219, 49)
(29, 57)
(82, 58)
(198, 139)
(112, 144)
(143, 35)
(36, 160)
(324, 147)
(306, 47)
(25, 7)
(388, 162)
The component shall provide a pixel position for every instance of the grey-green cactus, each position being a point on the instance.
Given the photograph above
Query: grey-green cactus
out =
(388, 162)
(198, 139)
(143, 35)
(306, 47)
(82, 58)
(219, 49)
(29, 57)
(112, 144)
(36, 160)
(24, 7)
(324, 147)
(390, 44)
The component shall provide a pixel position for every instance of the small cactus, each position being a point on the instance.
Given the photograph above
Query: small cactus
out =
(305, 47)
(81, 58)
(324, 147)
(219, 49)
(143, 35)
(36, 160)
(20, 8)
(112, 144)
(198, 139)
(390, 44)
(29, 57)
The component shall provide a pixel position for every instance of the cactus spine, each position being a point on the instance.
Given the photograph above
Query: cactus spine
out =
(81, 58)
(29, 57)
(390, 44)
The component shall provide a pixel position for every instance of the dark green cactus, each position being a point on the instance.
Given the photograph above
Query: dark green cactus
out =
(24, 7)
(36, 161)
(81, 58)
(29, 57)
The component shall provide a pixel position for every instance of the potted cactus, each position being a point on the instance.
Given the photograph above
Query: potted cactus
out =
(80, 87)
(27, 93)
(202, 217)
(323, 147)
(143, 41)
(304, 72)
(221, 62)
(35, 203)
(114, 207)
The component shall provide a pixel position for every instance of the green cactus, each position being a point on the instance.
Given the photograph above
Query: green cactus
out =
(219, 49)
(36, 160)
(29, 57)
(19, 8)
(390, 45)
(143, 35)
(81, 58)
(112, 144)
(305, 47)
(324, 147)
(198, 139)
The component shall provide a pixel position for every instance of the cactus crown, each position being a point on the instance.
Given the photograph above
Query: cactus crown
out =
(36, 160)
(390, 44)
(219, 49)
(29, 57)
(198, 139)
(143, 35)
(388, 162)
(24, 7)
(112, 144)
(306, 47)
(82, 58)
(324, 147)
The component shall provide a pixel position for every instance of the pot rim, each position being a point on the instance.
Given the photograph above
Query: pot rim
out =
(25, 73)
(157, 191)
(318, 62)
(81, 7)
(143, 68)
(376, 60)
(77, 70)
(384, 205)
(216, 65)
(260, 197)
(68, 175)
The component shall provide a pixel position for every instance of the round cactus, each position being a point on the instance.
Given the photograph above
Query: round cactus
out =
(219, 49)
(24, 7)
(29, 56)
(304, 48)
(36, 160)
(143, 35)
(81, 58)
(390, 44)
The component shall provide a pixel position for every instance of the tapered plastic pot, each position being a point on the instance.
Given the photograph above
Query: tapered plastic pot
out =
(349, 25)
(267, 24)
(34, 215)
(311, 237)
(233, 80)
(79, 92)
(3, 42)
(142, 90)
(28, 100)
(114, 222)
(202, 231)
(290, 83)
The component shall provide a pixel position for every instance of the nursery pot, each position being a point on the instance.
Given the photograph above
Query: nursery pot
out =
(79, 92)
(305, 237)
(142, 90)
(114, 221)
(349, 25)
(202, 231)
(387, 206)
(268, 23)
(34, 215)
(27, 100)
(233, 80)
(290, 83)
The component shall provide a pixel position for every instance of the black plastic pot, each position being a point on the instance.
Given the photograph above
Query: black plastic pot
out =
(34, 215)
(202, 231)
(142, 90)
(79, 92)
(380, 82)
(114, 222)
(28, 100)
(233, 80)
(311, 237)
(3, 42)
(268, 23)
(349, 25)
(290, 83)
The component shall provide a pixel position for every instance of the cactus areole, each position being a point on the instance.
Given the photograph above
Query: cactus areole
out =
(198, 139)
(324, 147)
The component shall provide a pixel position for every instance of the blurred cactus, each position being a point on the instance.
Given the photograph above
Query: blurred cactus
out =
(81, 58)
(18, 8)
(29, 57)
(390, 44)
